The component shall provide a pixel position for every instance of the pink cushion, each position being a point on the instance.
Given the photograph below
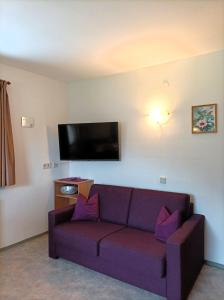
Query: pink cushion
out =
(86, 209)
(167, 224)
(146, 204)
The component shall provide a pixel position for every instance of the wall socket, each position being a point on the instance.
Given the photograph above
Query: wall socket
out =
(50, 165)
(47, 166)
(162, 179)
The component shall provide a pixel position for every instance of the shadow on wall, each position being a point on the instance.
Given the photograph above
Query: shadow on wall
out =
(53, 146)
(22, 171)
(58, 169)
(42, 68)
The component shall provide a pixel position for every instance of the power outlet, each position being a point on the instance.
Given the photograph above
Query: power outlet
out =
(55, 164)
(162, 179)
(46, 166)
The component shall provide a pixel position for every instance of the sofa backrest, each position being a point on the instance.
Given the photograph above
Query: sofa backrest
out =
(114, 202)
(146, 204)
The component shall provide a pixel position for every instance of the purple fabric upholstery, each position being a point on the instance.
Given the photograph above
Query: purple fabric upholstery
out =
(83, 236)
(142, 280)
(146, 204)
(56, 217)
(114, 202)
(185, 257)
(130, 254)
(136, 250)
(61, 215)
(111, 268)
(86, 209)
(167, 224)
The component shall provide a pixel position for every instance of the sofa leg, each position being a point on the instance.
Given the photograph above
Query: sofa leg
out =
(54, 257)
(51, 253)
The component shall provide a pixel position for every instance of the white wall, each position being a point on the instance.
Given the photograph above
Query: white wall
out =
(192, 163)
(24, 207)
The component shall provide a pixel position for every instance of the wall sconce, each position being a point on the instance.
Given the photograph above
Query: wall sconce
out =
(159, 116)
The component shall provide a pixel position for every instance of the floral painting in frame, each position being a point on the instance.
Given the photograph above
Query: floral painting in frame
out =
(204, 118)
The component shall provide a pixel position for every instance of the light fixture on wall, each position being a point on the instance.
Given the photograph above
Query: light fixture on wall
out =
(159, 116)
(158, 104)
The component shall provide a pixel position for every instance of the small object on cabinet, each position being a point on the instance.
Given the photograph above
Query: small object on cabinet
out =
(67, 190)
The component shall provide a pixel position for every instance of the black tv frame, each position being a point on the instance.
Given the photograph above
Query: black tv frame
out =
(91, 159)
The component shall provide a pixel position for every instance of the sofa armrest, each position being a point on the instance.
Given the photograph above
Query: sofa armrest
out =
(56, 217)
(185, 257)
(61, 215)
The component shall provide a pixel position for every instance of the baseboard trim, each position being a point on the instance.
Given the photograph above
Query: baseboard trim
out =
(214, 264)
(23, 241)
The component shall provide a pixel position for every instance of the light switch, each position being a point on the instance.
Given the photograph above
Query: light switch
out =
(162, 179)
(27, 122)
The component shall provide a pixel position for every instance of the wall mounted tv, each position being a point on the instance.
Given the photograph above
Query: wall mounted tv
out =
(89, 141)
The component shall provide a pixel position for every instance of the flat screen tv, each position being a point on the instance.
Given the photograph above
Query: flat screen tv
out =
(89, 141)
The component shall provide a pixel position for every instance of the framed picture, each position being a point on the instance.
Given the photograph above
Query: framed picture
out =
(204, 118)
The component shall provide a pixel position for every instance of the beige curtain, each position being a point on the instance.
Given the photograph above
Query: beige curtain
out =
(7, 159)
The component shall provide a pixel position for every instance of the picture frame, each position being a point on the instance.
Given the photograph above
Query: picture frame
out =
(204, 118)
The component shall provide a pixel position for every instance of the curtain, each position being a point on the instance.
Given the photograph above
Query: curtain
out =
(7, 159)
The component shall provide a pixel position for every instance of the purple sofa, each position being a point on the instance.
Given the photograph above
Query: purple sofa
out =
(122, 243)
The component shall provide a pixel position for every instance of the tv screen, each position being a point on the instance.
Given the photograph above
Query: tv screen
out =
(89, 141)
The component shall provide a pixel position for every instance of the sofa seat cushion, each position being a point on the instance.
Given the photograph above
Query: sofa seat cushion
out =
(83, 236)
(136, 250)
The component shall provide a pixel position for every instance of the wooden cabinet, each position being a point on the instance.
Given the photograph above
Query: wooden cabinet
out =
(63, 200)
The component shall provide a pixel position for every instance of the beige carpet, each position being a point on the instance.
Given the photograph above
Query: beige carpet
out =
(26, 273)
